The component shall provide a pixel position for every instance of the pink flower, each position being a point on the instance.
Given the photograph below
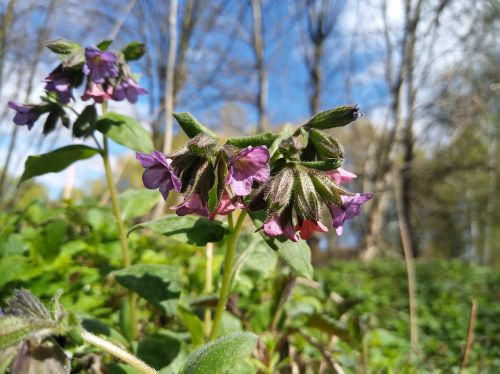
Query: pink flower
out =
(192, 204)
(274, 227)
(340, 176)
(159, 173)
(97, 92)
(249, 165)
(307, 228)
(226, 205)
(351, 208)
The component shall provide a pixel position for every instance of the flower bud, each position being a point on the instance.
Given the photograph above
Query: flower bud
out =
(278, 190)
(203, 145)
(306, 202)
(335, 117)
(326, 147)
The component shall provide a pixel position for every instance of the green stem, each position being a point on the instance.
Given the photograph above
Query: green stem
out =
(117, 352)
(226, 277)
(127, 261)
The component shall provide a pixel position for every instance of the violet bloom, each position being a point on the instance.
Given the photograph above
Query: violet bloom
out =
(97, 92)
(308, 228)
(273, 227)
(340, 176)
(352, 207)
(99, 65)
(26, 114)
(128, 89)
(159, 173)
(247, 166)
(192, 204)
(59, 83)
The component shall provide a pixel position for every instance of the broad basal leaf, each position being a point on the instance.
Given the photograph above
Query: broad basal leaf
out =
(188, 229)
(56, 160)
(126, 131)
(135, 203)
(220, 355)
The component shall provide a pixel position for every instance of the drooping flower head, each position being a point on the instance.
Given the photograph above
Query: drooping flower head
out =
(128, 89)
(192, 204)
(99, 65)
(159, 173)
(59, 81)
(248, 165)
(351, 208)
(227, 205)
(276, 227)
(307, 228)
(340, 176)
(25, 114)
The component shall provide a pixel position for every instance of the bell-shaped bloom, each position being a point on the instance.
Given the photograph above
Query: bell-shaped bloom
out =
(192, 204)
(99, 65)
(60, 84)
(340, 176)
(159, 173)
(351, 208)
(25, 114)
(248, 165)
(128, 89)
(273, 227)
(226, 205)
(307, 228)
(97, 92)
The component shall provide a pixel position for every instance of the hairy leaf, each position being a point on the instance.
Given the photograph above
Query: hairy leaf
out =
(191, 126)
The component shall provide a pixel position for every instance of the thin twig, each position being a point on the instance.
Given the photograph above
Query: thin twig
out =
(470, 334)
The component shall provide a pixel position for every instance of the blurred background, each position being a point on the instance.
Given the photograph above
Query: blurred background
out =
(426, 75)
(424, 72)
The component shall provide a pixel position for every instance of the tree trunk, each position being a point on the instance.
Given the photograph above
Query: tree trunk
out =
(258, 48)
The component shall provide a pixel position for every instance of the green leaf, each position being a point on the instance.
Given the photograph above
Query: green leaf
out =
(55, 161)
(265, 138)
(126, 131)
(192, 323)
(136, 203)
(134, 51)
(63, 46)
(191, 126)
(159, 350)
(85, 123)
(297, 255)
(51, 121)
(14, 329)
(160, 285)
(188, 229)
(104, 45)
(335, 117)
(13, 267)
(221, 355)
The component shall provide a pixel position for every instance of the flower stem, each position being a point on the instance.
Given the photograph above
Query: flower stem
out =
(226, 277)
(127, 261)
(117, 352)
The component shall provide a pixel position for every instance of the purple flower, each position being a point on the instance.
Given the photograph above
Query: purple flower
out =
(351, 208)
(192, 204)
(249, 165)
(97, 92)
(159, 173)
(274, 227)
(59, 82)
(340, 175)
(308, 227)
(26, 114)
(128, 89)
(99, 65)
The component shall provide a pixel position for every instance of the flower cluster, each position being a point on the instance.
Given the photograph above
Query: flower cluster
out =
(106, 76)
(290, 187)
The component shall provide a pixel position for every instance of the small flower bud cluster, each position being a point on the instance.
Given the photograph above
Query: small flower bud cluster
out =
(106, 75)
(291, 186)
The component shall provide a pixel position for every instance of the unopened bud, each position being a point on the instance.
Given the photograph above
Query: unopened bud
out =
(335, 117)
(326, 146)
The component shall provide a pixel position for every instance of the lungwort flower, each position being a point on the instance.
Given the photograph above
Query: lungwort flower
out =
(192, 204)
(128, 89)
(248, 165)
(25, 114)
(99, 65)
(159, 173)
(351, 208)
(59, 82)
(340, 176)
(97, 92)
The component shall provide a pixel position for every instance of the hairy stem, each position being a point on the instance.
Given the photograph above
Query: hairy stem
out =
(226, 277)
(126, 258)
(117, 352)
